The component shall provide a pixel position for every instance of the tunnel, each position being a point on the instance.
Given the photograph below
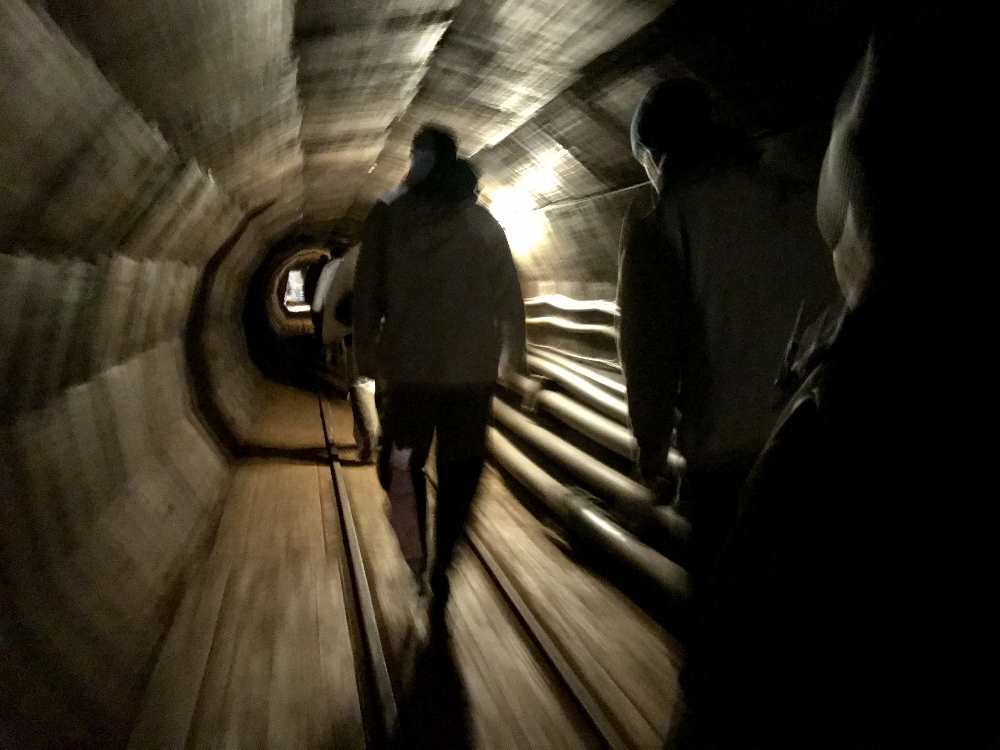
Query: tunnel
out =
(170, 170)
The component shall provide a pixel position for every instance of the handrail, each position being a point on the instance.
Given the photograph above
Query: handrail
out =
(570, 304)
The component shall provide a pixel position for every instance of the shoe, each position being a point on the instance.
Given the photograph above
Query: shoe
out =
(366, 455)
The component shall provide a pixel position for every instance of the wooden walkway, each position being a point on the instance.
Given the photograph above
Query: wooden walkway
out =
(262, 653)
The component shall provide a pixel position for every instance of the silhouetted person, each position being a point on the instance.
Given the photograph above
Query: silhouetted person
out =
(337, 326)
(337, 307)
(436, 299)
(806, 638)
(711, 278)
(314, 287)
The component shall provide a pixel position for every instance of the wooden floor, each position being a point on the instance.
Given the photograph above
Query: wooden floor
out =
(260, 654)
(507, 694)
(626, 658)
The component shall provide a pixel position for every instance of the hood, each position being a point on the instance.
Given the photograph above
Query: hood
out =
(456, 182)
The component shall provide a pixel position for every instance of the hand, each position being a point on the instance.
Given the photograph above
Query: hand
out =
(664, 487)
(513, 364)
(658, 474)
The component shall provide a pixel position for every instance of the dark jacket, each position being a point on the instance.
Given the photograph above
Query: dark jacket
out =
(812, 597)
(436, 293)
(710, 282)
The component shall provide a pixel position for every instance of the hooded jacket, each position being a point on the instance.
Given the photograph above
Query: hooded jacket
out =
(437, 295)
(710, 282)
(337, 306)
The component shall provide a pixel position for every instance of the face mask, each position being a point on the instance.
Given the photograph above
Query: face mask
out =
(641, 153)
(421, 164)
(651, 167)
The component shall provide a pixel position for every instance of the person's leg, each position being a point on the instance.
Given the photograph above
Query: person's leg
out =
(408, 414)
(461, 431)
(418, 460)
(366, 423)
(457, 483)
(713, 494)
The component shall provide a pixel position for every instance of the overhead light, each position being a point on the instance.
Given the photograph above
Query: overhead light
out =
(541, 178)
(523, 224)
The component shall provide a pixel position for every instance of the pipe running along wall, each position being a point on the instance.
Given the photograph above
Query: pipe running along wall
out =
(583, 518)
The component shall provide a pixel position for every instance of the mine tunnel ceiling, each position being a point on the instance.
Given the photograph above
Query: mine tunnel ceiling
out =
(309, 107)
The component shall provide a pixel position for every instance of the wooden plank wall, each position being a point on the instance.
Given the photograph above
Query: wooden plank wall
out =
(109, 479)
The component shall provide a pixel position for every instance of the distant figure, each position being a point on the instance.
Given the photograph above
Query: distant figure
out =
(811, 633)
(437, 301)
(337, 321)
(317, 280)
(711, 278)
(323, 271)
(338, 302)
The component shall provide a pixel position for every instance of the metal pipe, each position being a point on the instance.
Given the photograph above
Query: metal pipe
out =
(583, 389)
(600, 429)
(605, 480)
(571, 325)
(612, 435)
(633, 501)
(569, 304)
(603, 431)
(593, 196)
(611, 365)
(541, 484)
(605, 380)
(582, 517)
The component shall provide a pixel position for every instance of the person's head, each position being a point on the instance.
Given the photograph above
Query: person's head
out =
(338, 246)
(672, 123)
(434, 151)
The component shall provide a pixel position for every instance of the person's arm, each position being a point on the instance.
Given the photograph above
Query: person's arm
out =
(510, 309)
(323, 284)
(370, 292)
(651, 297)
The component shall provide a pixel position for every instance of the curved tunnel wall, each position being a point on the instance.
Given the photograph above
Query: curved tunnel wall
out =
(110, 478)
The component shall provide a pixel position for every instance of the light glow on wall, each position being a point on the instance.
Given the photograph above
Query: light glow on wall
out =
(541, 177)
(523, 224)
